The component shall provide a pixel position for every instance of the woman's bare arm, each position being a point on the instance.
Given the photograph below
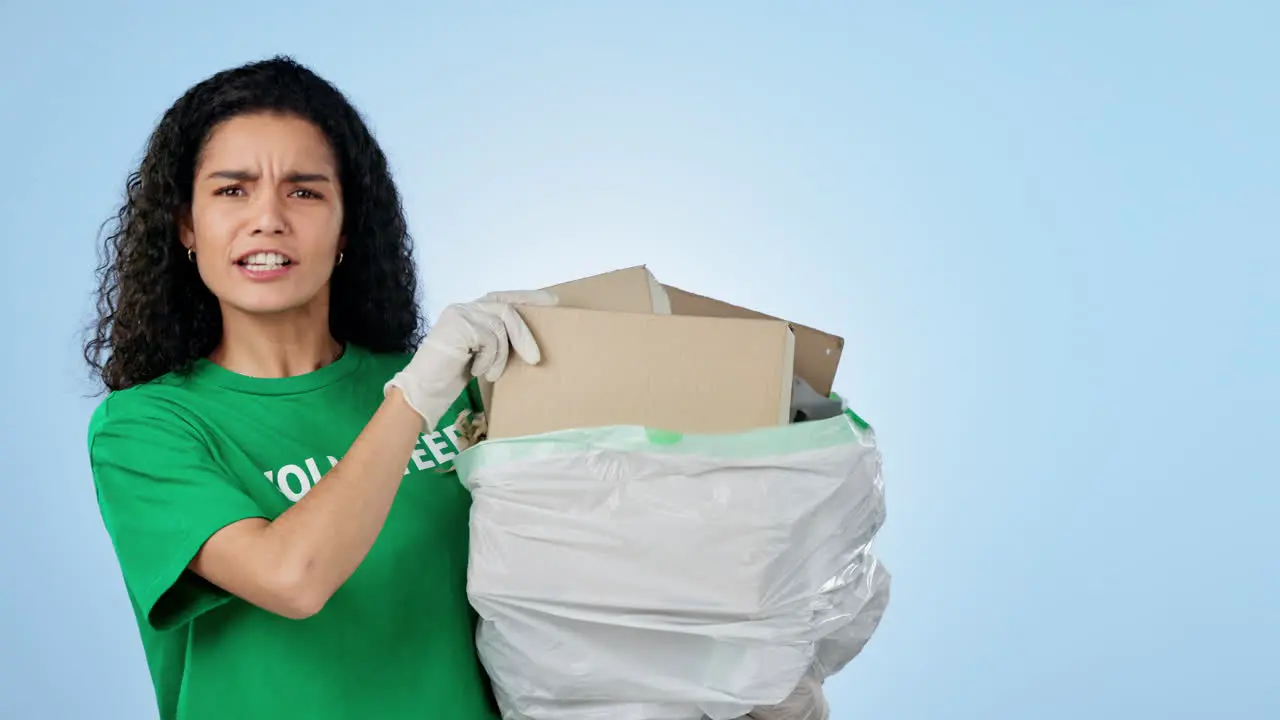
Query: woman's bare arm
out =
(292, 565)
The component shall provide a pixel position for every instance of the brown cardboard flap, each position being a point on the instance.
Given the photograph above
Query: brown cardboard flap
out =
(685, 374)
(817, 353)
(632, 289)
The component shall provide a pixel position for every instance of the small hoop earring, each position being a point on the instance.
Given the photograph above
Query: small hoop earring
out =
(339, 260)
(191, 255)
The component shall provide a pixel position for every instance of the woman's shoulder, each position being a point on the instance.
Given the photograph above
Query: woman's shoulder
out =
(140, 422)
(158, 399)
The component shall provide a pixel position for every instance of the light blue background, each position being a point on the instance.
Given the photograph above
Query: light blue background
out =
(1048, 232)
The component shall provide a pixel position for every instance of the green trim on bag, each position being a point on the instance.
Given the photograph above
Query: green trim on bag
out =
(663, 437)
(765, 442)
(862, 424)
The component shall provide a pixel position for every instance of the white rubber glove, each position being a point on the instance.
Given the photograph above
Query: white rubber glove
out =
(472, 338)
(806, 702)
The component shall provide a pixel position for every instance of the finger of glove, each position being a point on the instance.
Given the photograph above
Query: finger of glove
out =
(499, 365)
(456, 329)
(490, 343)
(520, 336)
(522, 297)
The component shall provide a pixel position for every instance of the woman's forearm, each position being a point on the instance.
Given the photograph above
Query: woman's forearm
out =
(292, 565)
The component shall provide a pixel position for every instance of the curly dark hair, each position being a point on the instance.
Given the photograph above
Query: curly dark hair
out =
(154, 313)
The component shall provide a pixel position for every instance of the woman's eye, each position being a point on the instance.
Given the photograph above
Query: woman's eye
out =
(230, 191)
(306, 194)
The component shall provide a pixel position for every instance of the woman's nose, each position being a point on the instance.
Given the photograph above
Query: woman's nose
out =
(270, 216)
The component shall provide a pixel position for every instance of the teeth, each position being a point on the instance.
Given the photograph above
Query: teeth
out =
(265, 261)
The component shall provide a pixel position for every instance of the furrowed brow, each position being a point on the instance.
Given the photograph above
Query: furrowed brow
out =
(235, 175)
(246, 176)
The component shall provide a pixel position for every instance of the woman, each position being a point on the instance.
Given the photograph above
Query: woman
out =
(271, 462)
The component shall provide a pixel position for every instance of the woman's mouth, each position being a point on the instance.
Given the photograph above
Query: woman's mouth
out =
(264, 265)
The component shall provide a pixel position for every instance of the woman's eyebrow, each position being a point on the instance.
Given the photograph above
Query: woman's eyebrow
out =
(246, 176)
(307, 177)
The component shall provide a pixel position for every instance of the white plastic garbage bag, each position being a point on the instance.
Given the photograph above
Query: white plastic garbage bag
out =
(806, 702)
(627, 574)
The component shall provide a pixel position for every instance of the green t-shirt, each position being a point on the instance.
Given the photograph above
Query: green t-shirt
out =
(179, 458)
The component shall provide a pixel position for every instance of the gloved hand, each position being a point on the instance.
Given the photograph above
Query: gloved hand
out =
(806, 702)
(469, 339)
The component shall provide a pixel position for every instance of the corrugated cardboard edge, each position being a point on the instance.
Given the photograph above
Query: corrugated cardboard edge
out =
(788, 370)
(658, 293)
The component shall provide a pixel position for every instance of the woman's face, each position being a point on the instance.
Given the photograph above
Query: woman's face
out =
(266, 215)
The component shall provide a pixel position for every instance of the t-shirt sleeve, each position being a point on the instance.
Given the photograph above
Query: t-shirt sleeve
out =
(161, 496)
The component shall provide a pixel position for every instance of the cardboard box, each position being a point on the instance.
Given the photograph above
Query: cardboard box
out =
(681, 373)
(623, 348)
(635, 289)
